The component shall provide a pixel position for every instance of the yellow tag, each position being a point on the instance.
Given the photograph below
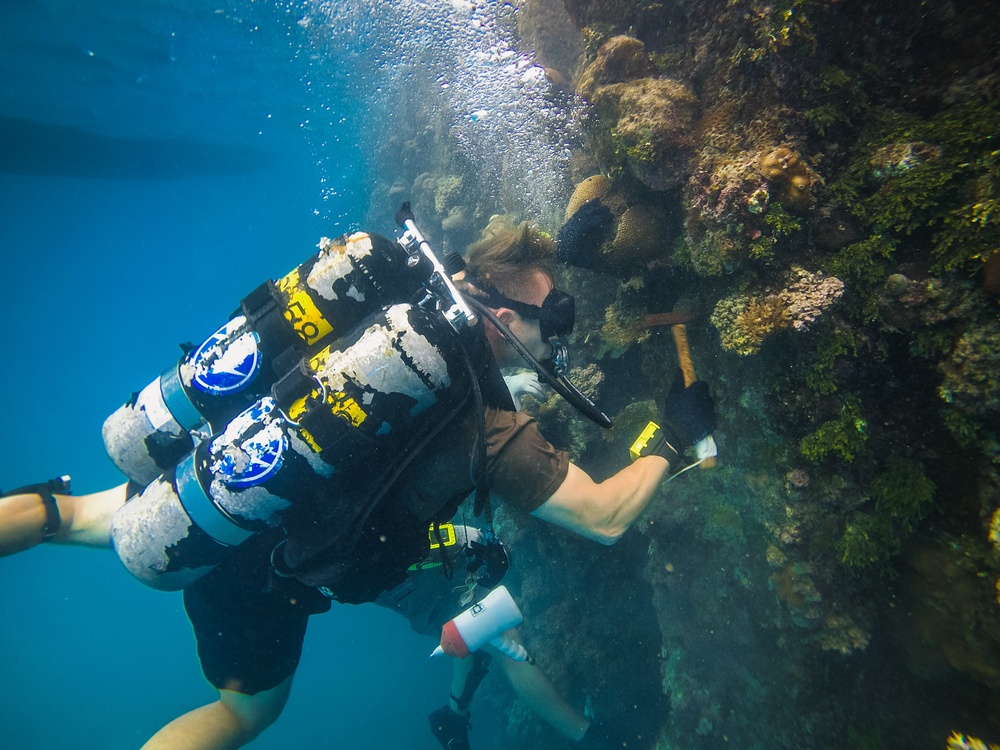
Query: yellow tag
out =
(339, 403)
(447, 535)
(301, 311)
(642, 441)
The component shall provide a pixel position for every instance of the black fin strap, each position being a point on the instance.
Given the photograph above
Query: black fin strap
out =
(53, 519)
(45, 490)
(480, 666)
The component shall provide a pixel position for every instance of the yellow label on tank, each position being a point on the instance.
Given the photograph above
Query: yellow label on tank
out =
(301, 311)
(343, 405)
(340, 405)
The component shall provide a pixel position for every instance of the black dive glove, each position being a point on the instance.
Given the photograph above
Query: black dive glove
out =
(688, 416)
(581, 237)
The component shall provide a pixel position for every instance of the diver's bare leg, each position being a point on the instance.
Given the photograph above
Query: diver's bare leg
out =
(229, 723)
(534, 688)
(85, 520)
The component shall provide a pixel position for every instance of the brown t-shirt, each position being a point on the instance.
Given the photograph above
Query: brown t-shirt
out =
(523, 467)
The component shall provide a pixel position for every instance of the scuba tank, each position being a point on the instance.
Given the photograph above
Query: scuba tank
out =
(323, 299)
(312, 449)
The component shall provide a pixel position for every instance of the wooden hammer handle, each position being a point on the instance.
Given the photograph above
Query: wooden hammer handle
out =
(687, 368)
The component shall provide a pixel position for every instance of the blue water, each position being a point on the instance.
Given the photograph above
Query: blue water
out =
(160, 159)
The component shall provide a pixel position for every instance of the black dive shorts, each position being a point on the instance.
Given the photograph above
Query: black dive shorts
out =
(250, 623)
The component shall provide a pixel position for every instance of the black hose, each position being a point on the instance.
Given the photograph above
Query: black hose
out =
(559, 383)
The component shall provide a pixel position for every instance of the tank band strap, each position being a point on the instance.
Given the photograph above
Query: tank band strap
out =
(267, 318)
(176, 399)
(205, 514)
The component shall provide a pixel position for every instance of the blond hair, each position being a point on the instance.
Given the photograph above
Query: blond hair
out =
(508, 258)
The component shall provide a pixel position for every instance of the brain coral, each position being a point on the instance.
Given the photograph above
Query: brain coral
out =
(641, 231)
(792, 176)
(642, 235)
(596, 186)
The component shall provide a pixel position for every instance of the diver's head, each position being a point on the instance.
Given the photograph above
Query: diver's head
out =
(511, 272)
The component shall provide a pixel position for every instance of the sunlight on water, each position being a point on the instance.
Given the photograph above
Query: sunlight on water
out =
(494, 101)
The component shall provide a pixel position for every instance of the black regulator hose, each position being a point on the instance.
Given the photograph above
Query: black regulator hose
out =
(560, 383)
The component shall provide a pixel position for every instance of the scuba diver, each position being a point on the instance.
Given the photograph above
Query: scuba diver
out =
(360, 400)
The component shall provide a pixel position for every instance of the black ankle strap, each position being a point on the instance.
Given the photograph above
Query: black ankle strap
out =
(53, 519)
(45, 490)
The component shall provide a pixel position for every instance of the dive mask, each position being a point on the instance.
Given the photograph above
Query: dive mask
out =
(555, 315)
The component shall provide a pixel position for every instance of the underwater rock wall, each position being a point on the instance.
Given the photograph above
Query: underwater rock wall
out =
(814, 191)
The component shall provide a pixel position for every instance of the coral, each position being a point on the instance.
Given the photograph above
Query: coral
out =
(621, 331)
(775, 557)
(844, 436)
(937, 179)
(588, 379)
(794, 179)
(545, 27)
(595, 186)
(623, 320)
(744, 321)
(797, 478)
(868, 542)
(841, 634)
(896, 285)
(641, 230)
(734, 213)
(715, 127)
(620, 59)
(645, 127)
(808, 295)
(972, 370)
(641, 236)
(793, 585)
(897, 158)
(865, 265)
(903, 493)
(447, 193)
(952, 623)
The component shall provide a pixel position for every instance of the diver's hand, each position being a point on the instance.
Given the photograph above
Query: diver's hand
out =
(581, 237)
(689, 414)
(524, 384)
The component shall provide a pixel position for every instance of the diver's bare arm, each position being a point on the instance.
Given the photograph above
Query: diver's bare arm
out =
(604, 511)
(84, 519)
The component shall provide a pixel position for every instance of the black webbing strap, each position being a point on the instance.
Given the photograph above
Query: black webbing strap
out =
(45, 491)
(53, 519)
(480, 666)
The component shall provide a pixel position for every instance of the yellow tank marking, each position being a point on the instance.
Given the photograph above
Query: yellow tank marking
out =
(301, 311)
